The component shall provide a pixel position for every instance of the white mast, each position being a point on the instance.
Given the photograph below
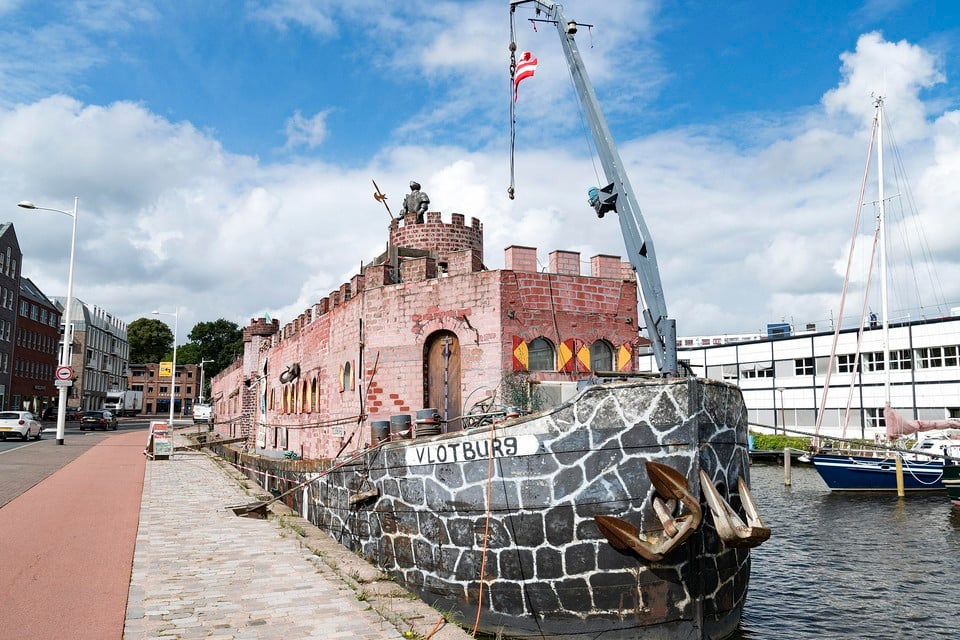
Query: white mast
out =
(881, 221)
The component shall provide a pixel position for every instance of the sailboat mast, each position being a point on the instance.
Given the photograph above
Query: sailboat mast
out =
(881, 221)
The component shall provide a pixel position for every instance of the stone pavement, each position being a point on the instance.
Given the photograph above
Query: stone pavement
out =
(200, 571)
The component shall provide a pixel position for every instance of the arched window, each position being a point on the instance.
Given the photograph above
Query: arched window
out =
(601, 356)
(541, 355)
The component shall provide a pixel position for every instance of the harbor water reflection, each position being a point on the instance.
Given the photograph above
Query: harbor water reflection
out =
(850, 565)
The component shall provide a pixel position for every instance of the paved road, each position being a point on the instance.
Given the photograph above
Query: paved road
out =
(68, 541)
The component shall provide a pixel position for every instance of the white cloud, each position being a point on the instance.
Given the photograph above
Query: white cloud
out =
(309, 132)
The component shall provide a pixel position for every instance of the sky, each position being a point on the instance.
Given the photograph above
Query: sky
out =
(223, 152)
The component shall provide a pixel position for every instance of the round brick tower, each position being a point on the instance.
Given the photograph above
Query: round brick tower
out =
(433, 235)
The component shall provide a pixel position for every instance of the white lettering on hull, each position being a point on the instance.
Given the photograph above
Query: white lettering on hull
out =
(468, 449)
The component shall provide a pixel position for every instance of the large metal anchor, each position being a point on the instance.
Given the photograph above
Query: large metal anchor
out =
(731, 529)
(671, 484)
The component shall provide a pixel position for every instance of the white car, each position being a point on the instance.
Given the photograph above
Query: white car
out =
(21, 423)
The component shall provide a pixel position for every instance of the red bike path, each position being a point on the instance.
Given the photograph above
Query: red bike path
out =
(67, 544)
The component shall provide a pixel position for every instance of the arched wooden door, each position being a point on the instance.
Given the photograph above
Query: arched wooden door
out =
(442, 376)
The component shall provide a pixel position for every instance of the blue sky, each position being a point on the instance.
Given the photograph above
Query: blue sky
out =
(220, 142)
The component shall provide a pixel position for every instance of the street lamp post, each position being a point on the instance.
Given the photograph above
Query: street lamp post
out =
(67, 325)
(173, 370)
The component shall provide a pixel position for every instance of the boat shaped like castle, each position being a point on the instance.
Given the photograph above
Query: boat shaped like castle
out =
(616, 511)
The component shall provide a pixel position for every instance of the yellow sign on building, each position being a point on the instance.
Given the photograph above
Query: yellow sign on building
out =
(166, 369)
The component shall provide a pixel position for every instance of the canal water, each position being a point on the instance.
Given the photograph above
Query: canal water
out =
(851, 566)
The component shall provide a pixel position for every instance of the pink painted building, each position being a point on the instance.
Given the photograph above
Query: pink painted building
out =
(426, 325)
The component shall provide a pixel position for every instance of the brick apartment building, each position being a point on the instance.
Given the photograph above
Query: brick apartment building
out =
(156, 390)
(35, 351)
(426, 325)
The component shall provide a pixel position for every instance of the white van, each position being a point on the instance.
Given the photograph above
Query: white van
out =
(202, 413)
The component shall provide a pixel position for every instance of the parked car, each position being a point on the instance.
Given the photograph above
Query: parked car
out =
(21, 423)
(98, 420)
(72, 415)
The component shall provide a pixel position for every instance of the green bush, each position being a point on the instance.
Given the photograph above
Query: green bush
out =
(768, 442)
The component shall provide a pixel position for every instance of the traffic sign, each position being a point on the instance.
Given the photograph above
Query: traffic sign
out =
(62, 383)
(64, 372)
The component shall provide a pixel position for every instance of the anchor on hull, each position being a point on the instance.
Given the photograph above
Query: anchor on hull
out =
(667, 482)
(672, 484)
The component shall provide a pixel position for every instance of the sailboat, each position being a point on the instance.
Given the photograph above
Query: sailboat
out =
(919, 468)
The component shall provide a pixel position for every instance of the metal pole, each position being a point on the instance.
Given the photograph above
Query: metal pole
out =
(67, 326)
(67, 329)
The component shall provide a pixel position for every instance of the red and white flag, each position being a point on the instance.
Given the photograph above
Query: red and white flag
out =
(525, 68)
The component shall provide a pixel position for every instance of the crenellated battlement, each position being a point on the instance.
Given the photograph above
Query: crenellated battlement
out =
(520, 258)
(436, 236)
(260, 327)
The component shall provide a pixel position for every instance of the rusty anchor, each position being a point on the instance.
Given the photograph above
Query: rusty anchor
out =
(730, 527)
(671, 484)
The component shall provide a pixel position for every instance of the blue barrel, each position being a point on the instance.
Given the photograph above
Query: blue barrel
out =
(400, 427)
(750, 442)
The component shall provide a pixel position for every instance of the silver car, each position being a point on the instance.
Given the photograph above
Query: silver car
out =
(21, 423)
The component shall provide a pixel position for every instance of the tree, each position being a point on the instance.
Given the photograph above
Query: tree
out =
(150, 340)
(188, 353)
(220, 341)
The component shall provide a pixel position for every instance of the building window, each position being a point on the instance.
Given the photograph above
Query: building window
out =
(873, 361)
(757, 370)
(846, 363)
(950, 356)
(541, 356)
(901, 359)
(804, 367)
(930, 357)
(875, 419)
(601, 356)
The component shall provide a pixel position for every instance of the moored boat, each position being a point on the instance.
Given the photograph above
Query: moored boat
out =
(867, 468)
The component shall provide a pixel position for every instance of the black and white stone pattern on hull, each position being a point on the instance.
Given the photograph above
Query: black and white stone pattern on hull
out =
(519, 501)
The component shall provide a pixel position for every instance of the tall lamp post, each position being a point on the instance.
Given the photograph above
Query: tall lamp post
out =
(173, 370)
(67, 325)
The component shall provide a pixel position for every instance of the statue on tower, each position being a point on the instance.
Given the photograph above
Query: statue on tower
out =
(415, 202)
